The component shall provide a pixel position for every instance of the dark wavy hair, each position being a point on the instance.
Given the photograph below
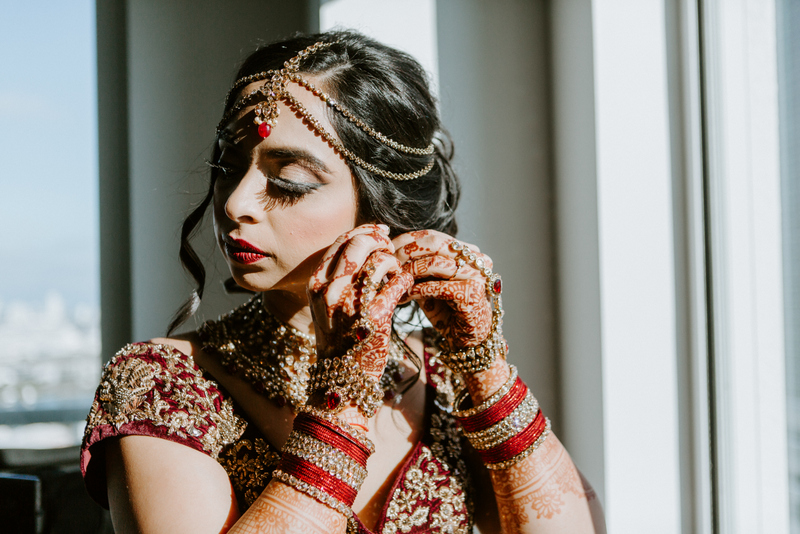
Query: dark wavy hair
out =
(388, 90)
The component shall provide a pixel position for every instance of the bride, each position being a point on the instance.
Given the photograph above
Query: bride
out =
(314, 407)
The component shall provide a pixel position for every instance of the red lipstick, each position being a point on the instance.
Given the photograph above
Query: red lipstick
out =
(243, 252)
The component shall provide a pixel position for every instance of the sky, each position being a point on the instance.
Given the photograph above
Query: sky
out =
(48, 149)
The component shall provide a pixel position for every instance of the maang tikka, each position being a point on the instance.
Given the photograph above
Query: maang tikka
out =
(275, 89)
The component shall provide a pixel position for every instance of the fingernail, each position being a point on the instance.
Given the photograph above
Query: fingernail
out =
(384, 228)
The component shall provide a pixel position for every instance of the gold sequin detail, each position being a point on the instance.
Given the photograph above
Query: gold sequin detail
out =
(427, 482)
(134, 389)
(249, 464)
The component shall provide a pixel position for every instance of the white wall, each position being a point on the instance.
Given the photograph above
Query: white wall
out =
(182, 60)
(495, 100)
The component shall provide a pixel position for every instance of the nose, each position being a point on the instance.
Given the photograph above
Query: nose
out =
(244, 204)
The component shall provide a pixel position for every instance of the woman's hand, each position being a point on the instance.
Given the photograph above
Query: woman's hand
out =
(361, 258)
(452, 293)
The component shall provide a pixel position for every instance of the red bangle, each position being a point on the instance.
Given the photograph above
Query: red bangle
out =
(324, 431)
(315, 476)
(516, 444)
(498, 411)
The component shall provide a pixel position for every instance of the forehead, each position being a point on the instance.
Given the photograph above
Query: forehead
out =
(290, 126)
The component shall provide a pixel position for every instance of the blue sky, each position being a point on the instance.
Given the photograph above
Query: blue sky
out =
(48, 145)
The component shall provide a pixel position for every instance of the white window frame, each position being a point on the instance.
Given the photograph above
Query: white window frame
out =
(744, 217)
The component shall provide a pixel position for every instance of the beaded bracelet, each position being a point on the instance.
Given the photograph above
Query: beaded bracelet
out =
(341, 380)
(482, 356)
(325, 460)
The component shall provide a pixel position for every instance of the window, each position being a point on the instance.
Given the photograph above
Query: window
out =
(789, 90)
(49, 281)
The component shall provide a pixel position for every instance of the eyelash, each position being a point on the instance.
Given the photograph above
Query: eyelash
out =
(288, 191)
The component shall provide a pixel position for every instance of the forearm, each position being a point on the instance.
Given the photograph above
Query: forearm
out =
(543, 492)
(281, 508)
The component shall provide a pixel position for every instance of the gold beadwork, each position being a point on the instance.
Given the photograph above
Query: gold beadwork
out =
(275, 88)
(131, 390)
(345, 379)
(273, 357)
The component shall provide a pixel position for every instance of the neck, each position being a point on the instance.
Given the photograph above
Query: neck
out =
(290, 308)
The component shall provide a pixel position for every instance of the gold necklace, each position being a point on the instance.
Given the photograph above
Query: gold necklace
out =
(274, 357)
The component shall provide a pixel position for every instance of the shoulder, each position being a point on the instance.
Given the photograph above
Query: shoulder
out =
(158, 390)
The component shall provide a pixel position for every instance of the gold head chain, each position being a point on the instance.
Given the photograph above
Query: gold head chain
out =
(275, 89)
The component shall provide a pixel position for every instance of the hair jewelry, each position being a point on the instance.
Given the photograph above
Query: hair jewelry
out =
(275, 89)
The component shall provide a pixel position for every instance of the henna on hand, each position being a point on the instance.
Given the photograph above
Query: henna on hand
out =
(341, 295)
(281, 508)
(452, 293)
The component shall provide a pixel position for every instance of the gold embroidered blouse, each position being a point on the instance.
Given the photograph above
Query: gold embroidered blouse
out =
(156, 390)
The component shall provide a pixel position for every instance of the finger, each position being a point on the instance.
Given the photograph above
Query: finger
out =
(441, 267)
(462, 294)
(438, 244)
(352, 262)
(381, 264)
(421, 243)
(387, 298)
(418, 235)
(331, 259)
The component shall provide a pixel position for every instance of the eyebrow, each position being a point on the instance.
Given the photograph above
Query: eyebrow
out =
(297, 154)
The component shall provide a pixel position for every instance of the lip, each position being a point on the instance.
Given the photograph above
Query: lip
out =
(242, 251)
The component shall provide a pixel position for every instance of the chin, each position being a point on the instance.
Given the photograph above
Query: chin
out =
(253, 281)
(261, 281)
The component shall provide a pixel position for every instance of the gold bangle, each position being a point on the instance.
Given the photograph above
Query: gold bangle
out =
(511, 425)
(524, 454)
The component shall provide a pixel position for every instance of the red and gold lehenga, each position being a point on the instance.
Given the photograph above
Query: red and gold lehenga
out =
(156, 390)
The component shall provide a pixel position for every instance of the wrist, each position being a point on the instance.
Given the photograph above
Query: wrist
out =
(353, 416)
(484, 384)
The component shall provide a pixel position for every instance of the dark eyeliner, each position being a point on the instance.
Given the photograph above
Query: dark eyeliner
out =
(294, 187)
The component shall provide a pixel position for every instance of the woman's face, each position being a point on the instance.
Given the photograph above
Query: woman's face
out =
(281, 201)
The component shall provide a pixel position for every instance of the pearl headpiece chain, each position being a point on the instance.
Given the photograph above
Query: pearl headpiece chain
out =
(275, 89)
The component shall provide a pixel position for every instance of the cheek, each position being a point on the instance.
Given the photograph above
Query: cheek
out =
(323, 222)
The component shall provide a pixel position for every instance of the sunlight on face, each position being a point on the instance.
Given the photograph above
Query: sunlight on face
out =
(280, 202)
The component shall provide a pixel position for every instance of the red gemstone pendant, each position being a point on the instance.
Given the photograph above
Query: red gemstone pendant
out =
(264, 129)
(333, 400)
(362, 332)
